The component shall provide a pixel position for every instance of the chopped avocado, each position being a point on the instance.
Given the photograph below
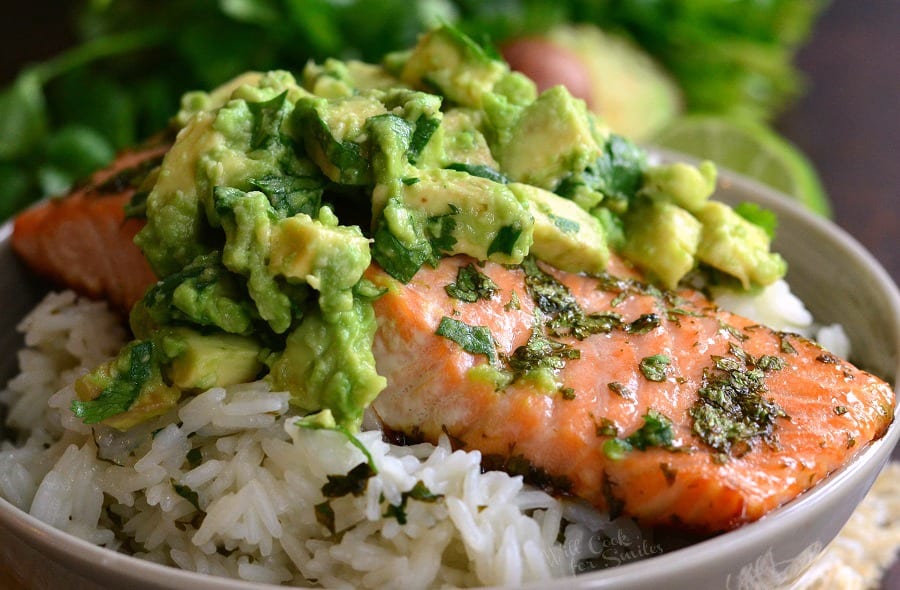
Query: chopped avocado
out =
(565, 235)
(335, 78)
(204, 293)
(687, 186)
(613, 179)
(551, 137)
(328, 363)
(462, 140)
(737, 247)
(333, 132)
(328, 257)
(455, 66)
(472, 215)
(248, 228)
(662, 239)
(201, 361)
(126, 390)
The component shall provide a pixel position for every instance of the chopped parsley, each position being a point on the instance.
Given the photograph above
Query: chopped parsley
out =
(472, 339)
(654, 367)
(471, 285)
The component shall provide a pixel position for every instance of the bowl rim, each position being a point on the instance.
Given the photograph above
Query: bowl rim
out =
(72, 550)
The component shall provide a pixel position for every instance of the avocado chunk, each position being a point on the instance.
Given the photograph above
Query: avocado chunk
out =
(126, 390)
(327, 363)
(565, 235)
(737, 247)
(552, 137)
(662, 239)
(687, 186)
(335, 78)
(201, 361)
(328, 257)
(447, 61)
(333, 133)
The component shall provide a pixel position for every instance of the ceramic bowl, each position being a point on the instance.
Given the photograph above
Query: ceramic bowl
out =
(829, 270)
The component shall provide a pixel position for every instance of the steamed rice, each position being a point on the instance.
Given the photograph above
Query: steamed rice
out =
(227, 484)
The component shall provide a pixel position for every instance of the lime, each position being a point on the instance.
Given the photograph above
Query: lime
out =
(751, 149)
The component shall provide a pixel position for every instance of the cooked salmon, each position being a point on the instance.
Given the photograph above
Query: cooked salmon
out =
(822, 410)
(84, 241)
(654, 404)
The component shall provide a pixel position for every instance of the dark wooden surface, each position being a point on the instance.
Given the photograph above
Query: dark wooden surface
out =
(848, 122)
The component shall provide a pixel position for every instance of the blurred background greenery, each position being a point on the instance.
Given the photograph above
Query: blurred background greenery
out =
(111, 71)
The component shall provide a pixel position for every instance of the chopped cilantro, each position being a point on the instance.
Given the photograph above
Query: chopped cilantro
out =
(539, 352)
(187, 493)
(840, 410)
(480, 170)
(654, 367)
(620, 389)
(731, 411)
(354, 482)
(471, 285)
(564, 224)
(194, 457)
(643, 324)
(473, 339)
(124, 377)
(325, 515)
(505, 240)
(655, 432)
(607, 428)
(418, 492)
(759, 216)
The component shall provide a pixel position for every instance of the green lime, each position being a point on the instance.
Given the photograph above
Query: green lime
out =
(751, 149)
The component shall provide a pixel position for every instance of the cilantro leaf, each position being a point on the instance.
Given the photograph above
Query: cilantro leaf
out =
(472, 339)
(654, 367)
(471, 285)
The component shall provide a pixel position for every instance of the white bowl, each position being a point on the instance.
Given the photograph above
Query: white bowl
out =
(837, 279)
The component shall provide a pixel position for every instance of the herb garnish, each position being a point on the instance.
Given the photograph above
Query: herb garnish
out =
(654, 367)
(539, 352)
(473, 339)
(187, 493)
(731, 411)
(620, 389)
(656, 431)
(418, 492)
(471, 285)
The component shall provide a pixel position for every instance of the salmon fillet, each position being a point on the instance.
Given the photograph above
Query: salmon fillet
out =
(822, 410)
(84, 241)
(557, 438)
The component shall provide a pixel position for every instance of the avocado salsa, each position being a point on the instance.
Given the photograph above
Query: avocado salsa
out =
(279, 192)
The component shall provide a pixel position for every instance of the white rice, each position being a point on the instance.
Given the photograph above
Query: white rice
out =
(256, 479)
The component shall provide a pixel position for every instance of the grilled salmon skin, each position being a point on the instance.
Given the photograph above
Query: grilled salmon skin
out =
(654, 404)
(664, 407)
(84, 241)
